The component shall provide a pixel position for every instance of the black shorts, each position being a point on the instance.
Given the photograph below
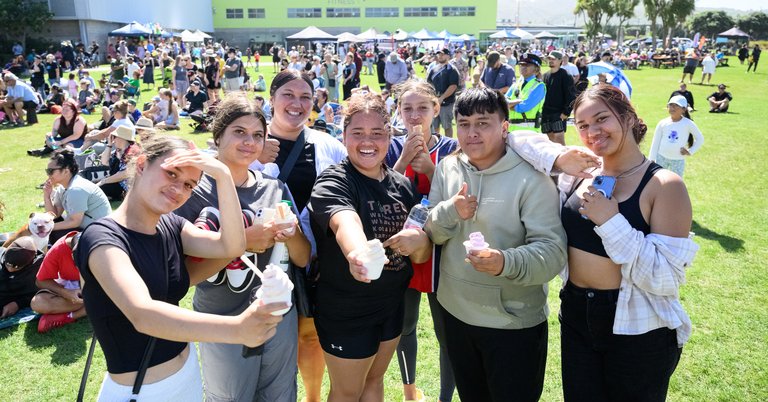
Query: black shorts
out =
(689, 69)
(352, 340)
(552, 124)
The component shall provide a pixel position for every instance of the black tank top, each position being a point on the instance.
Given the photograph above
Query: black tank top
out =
(580, 231)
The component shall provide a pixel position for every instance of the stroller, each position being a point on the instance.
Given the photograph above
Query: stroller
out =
(203, 121)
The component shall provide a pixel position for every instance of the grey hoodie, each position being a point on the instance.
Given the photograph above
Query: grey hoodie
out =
(518, 215)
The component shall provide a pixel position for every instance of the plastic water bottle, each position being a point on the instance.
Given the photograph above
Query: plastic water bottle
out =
(51, 144)
(418, 216)
(280, 255)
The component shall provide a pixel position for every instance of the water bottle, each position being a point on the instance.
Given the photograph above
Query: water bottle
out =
(280, 255)
(51, 144)
(418, 216)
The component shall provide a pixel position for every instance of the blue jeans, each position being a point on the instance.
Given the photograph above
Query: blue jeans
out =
(600, 366)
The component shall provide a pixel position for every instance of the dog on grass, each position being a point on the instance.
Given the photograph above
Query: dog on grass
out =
(39, 226)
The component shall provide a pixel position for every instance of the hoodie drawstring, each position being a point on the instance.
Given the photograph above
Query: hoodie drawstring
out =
(479, 195)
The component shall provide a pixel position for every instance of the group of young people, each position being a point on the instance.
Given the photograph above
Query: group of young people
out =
(622, 324)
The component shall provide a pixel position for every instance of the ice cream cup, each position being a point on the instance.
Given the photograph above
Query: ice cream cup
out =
(469, 247)
(282, 298)
(374, 267)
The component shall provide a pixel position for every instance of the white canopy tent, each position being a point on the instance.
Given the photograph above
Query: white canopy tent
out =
(312, 33)
(187, 36)
(348, 37)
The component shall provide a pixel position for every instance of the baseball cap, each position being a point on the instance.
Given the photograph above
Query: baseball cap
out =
(529, 58)
(722, 86)
(555, 54)
(678, 100)
(21, 252)
(445, 51)
(131, 102)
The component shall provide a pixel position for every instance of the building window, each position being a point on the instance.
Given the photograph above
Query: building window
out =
(420, 11)
(305, 12)
(256, 13)
(342, 12)
(458, 11)
(234, 13)
(382, 12)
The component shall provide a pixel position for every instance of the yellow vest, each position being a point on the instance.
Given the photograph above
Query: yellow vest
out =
(522, 91)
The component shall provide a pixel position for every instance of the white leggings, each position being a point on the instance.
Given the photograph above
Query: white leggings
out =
(184, 385)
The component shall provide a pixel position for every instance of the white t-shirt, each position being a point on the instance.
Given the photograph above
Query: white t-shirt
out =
(571, 69)
(130, 68)
(670, 136)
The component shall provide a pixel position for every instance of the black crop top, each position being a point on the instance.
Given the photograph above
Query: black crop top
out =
(581, 232)
(123, 346)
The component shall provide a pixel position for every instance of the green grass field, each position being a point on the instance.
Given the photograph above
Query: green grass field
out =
(726, 358)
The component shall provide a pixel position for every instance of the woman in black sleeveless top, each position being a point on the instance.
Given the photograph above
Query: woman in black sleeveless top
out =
(622, 323)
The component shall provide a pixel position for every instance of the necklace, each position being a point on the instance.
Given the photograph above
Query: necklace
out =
(247, 176)
(631, 171)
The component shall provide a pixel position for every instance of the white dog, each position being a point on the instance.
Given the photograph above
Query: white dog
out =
(41, 226)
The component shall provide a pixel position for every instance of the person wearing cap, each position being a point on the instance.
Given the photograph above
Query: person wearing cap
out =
(676, 137)
(122, 146)
(526, 97)
(686, 94)
(19, 264)
(71, 197)
(232, 71)
(561, 92)
(497, 75)
(85, 96)
(445, 79)
(20, 100)
(462, 67)
(719, 101)
(395, 71)
(197, 100)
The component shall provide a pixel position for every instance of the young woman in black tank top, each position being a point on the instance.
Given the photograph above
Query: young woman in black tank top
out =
(622, 324)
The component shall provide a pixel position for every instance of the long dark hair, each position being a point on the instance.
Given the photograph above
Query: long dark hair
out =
(618, 104)
(234, 106)
(288, 75)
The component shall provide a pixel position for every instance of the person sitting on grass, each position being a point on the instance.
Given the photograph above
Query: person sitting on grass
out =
(85, 97)
(20, 100)
(719, 101)
(59, 299)
(133, 86)
(133, 113)
(121, 149)
(56, 97)
(171, 122)
(119, 117)
(18, 265)
(68, 130)
(260, 85)
(114, 97)
(197, 100)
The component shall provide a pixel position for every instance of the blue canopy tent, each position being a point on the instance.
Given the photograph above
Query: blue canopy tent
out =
(613, 75)
(134, 29)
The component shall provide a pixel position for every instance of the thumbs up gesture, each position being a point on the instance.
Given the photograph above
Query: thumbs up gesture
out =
(465, 204)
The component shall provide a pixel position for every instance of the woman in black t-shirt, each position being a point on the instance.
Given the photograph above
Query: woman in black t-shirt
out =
(134, 272)
(359, 321)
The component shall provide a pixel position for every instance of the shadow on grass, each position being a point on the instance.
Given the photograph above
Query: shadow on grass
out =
(70, 341)
(730, 244)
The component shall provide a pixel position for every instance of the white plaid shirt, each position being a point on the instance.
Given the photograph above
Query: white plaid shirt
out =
(652, 267)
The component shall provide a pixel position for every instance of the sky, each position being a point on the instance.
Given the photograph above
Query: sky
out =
(737, 4)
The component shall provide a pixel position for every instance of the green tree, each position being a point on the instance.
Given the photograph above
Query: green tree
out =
(710, 23)
(675, 14)
(653, 10)
(20, 17)
(624, 10)
(593, 12)
(755, 24)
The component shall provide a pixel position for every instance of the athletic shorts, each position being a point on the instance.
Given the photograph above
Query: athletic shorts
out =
(353, 340)
(689, 69)
(552, 124)
(445, 118)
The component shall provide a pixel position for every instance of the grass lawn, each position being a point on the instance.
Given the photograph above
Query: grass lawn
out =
(726, 358)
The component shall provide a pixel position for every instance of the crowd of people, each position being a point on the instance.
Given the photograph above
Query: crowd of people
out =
(351, 162)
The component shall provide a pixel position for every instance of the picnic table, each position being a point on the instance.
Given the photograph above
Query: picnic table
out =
(663, 61)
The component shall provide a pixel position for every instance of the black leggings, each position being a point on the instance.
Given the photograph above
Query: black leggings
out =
(753, 65)
(407, 348)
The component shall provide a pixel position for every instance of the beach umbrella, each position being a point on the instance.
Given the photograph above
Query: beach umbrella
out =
(613, 75)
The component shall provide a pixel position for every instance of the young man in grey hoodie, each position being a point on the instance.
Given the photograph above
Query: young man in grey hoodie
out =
(494, 300)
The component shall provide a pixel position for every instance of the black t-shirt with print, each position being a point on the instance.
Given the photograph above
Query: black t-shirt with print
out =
(303, 175)
(383, 207)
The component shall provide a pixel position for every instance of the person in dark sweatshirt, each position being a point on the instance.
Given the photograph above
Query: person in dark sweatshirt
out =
(560, 95)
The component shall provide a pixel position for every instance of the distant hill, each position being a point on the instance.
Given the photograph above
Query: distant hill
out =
(560, 12)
